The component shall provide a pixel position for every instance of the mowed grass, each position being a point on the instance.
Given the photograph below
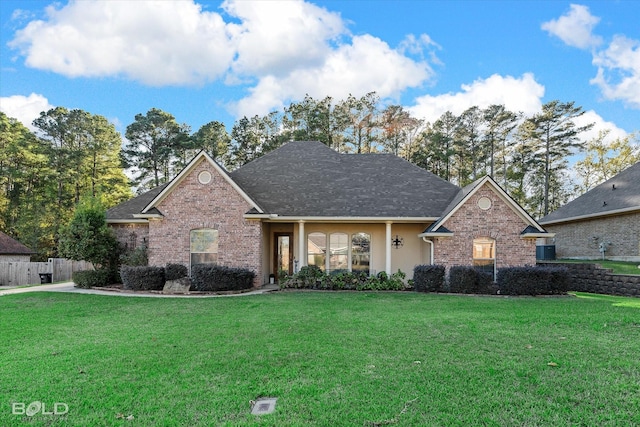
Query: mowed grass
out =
(618, 267)
(331, 359)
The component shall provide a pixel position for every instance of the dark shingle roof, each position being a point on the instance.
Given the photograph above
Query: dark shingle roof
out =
(310, 179)
(620, 192)
(126, 210)
(10, 246)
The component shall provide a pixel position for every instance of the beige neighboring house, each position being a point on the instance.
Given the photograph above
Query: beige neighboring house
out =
(602, 223)
(13, 251)
(306, 204)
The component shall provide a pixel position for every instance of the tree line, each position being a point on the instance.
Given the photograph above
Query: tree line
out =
(44, 174)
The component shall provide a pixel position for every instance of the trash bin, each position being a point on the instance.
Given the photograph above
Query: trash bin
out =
(45, 278)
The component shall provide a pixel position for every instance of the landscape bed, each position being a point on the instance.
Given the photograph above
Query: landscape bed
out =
(364, 359)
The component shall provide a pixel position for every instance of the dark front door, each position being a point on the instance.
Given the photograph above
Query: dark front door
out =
(283, 256)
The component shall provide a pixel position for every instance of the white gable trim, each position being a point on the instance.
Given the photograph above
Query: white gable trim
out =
(192, 164)
(502, 194)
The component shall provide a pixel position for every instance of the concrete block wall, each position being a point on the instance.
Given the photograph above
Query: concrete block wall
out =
(592, 278)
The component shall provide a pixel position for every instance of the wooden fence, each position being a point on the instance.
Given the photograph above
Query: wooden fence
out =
(28, 273)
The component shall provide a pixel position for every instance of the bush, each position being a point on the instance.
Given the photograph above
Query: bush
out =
(175, 271)
(91, 278)
(311, 277)
(142, 278)
(136, 257)
(428, 278)
(213, 278)
(533, 281)
(469, 280)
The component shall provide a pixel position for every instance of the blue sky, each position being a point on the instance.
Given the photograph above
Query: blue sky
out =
(204, 61)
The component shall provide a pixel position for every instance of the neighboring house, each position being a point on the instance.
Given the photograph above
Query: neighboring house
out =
(604, 221)
(13, 251)
(304, 204)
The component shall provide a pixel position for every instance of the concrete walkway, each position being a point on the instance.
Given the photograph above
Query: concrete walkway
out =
(69, 287)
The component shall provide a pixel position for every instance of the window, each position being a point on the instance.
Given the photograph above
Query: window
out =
(317, 250)
(484, 254)
(360, 252)
(204, 246)
(339, 255)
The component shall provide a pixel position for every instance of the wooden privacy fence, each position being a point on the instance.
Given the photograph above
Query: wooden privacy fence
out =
(28, 273)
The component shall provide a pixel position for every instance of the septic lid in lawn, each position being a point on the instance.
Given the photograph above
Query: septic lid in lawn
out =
(264, 405)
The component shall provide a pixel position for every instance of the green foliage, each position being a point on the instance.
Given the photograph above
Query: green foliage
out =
(428, 278)
(92, 278)
(311, 277)
(142, 278)
(214, 278)
(135, 258)
(87, 236)
(469, 280)
(175, 271)
(533, 281)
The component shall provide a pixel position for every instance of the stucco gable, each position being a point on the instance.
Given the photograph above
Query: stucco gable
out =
(151, 210)
(530, 229)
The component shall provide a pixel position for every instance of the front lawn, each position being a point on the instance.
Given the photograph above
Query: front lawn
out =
(618, 267)
(342, 359)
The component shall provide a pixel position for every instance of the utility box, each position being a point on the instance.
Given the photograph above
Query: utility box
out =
(546, 252)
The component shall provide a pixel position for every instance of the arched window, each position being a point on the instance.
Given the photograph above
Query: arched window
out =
(360, 252)
(339, 251)
(484, 254)
(204, 246)
(317, 249)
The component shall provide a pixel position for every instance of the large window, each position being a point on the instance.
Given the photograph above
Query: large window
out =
(204, 246)
(484, 254)
(360, 252)
(317, 250)
(339, 251)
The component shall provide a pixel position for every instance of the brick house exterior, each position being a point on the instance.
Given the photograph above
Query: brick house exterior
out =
(307, 204)
(603, 222)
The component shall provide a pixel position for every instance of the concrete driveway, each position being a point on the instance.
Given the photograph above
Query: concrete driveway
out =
(69, 287)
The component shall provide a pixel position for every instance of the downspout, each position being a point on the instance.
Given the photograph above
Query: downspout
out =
(431, 249)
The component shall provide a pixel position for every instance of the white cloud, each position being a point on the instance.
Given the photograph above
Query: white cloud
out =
(25, 108)
(575, 27)
(388, 73)
(274, 37)
(619, 70)
(157, 43)
(600, 124)
(521, 94)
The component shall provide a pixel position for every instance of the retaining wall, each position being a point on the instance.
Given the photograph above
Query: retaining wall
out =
(595, 279)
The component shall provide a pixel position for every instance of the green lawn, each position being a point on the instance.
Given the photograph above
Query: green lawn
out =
(331, 359)
(618, 267)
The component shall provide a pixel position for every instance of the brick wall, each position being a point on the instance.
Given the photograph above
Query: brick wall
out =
(581, 239)
(131, 235)
(595, 279)
(217, 205)
(499, 222)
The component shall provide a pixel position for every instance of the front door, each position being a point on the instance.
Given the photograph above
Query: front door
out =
(283, 256)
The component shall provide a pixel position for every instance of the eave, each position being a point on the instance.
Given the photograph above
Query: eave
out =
(593, 215)
(369, 219)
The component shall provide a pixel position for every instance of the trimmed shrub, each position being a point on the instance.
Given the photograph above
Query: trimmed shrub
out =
(311, 277)
(91, 278)
(175, 271)
(533, 281)
(469, 280)
(428, 278)
(307, 278)
(142, 278)
(213, 278)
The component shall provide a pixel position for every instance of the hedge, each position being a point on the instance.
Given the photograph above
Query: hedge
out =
(469, 280)
(175, 271)
(92, 278)
(209, 277)
(428, 278)
(533, 281)
(311, 277)
(142, 278)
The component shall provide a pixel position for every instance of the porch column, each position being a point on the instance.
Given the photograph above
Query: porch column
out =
(387, 246)
(302, 259)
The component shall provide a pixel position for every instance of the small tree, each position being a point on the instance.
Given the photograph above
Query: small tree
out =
(88, 238)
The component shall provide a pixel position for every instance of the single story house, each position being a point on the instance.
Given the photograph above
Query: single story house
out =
(305, 204)
(604, 222)
(13, 251)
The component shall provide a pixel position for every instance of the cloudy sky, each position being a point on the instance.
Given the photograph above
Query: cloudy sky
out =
(204, 61)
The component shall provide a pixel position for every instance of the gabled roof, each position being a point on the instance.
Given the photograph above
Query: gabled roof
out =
(309, 179)
(124, 212)
(151, 209)
(617, 195)
(437, 229)
(10, 246)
